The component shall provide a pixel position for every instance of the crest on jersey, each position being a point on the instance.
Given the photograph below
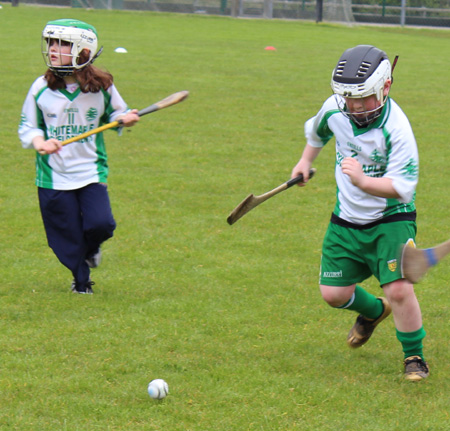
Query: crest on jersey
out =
(392, 265)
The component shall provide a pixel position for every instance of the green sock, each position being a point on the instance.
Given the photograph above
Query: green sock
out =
(364, 303)
(412, 342)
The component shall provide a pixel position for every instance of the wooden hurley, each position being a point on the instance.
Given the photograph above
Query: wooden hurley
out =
(416, 262)
(168, 101)
(252, 201)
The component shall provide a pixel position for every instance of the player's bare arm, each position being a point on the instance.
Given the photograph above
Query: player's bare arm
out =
(381, 187)
(304, 165)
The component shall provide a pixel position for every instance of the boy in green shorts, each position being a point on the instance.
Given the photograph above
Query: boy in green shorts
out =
(376, 174)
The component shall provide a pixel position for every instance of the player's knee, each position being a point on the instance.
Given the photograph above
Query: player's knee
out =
(336, 296)
(398, 291)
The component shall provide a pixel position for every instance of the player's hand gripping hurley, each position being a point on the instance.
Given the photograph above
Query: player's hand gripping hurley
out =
(252, 201)
(416, 262)
(165, 103)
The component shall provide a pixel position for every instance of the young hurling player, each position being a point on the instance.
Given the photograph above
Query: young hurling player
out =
(71, 98)
(376, 175)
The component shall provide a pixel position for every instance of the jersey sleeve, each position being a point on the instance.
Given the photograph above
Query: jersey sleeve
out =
(116, 106)
(317, 130)
(31, 122)
(403, 162)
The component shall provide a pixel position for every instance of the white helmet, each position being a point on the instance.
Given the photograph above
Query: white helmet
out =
(360, 72)
(81, 35)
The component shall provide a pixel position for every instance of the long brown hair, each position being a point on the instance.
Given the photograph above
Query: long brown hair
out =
(91, 78)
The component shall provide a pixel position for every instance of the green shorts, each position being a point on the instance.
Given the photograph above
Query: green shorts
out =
(352, 255)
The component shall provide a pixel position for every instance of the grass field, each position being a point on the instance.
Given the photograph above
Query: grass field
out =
(230, 317)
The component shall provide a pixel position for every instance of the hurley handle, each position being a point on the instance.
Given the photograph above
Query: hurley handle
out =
(299, 179)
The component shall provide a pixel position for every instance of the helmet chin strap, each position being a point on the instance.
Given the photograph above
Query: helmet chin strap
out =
(62, 71)
(367, 121)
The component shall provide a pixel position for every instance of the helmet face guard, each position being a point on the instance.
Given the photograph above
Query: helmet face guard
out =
(81, 37)
(361, 118)
(361, 72)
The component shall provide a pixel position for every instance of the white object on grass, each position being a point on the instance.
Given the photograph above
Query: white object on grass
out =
(158, 389)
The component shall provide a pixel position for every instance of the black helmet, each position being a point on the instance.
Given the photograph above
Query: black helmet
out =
(360, 72)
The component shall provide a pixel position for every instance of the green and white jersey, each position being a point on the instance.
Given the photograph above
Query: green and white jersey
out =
(62, 114)
(387, 148)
